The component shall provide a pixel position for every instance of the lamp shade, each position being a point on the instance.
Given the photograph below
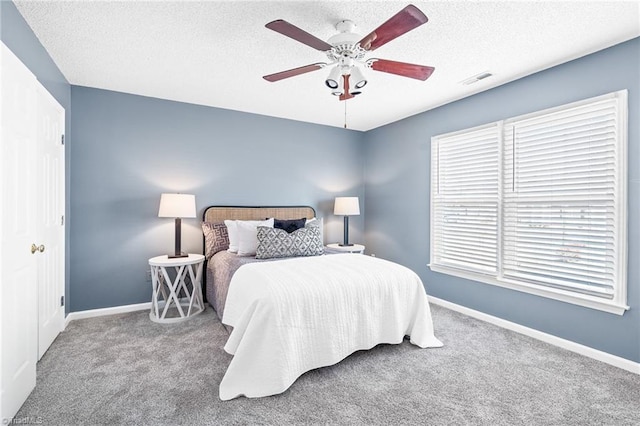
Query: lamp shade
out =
(346, 206)
(339, 89)
(334, 77)
(357, 78)
(177, 205)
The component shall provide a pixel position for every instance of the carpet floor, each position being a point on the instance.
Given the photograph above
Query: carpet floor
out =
(125, 369)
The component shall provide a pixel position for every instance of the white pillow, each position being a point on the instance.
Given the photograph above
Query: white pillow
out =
(248, 235)
(232, 230)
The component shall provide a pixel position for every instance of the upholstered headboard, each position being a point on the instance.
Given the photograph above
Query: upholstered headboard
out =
(220, 213)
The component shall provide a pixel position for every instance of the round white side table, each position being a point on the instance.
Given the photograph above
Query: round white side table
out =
(355, 248)
(176, 287)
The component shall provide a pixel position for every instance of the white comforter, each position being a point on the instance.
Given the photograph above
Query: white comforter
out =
(294, 315)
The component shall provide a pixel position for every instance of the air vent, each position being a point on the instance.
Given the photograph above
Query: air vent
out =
(476, 78)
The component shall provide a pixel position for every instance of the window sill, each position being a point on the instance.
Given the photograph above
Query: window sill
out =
(551, 293)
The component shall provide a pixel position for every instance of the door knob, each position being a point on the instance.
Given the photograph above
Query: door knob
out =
(35, 248)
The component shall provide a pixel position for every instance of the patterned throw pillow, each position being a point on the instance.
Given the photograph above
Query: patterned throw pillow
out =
(216, 238)
(317, 222)
(273, 242)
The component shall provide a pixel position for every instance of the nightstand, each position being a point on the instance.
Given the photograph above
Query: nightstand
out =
(356, 248)
(177, 290)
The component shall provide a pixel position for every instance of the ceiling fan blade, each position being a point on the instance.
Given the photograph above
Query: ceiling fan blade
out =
(419, 72)
(293, 72)
(290, 30)
(404, 21)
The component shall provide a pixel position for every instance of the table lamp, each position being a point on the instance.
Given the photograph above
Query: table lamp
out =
(346, 206)
(177, 206)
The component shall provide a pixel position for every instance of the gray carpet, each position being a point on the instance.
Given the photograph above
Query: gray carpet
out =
(125, 369)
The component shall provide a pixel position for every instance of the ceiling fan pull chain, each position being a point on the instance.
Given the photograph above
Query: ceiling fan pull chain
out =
(345, 114)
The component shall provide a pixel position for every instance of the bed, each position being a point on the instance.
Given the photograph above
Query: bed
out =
(289, 315)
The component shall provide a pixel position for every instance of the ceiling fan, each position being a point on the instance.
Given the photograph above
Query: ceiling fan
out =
(347, 50)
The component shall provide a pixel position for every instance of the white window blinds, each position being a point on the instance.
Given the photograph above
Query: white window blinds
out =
(465, 191)
(537, 202)
(560, 198)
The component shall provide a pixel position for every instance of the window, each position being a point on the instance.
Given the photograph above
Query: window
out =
(537, 203)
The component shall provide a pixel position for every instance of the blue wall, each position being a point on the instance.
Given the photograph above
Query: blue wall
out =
(17, 36)
(397, 184)
(129, 149)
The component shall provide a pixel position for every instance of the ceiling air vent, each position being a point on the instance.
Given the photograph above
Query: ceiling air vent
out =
(476, 78)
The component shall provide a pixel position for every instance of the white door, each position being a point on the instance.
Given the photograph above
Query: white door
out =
(18, 276)
(50, 207)
(31, 228)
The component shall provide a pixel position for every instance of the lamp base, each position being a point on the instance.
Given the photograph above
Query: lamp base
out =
(346, 242)
(177, 252)
(176, 255)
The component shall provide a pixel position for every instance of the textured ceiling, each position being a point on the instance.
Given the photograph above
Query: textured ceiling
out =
(216, 52)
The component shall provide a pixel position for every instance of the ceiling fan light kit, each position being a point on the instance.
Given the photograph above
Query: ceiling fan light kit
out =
(332, 80)
(346, 52)
(357, 78)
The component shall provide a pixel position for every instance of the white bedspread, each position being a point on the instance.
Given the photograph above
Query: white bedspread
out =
(294, 315)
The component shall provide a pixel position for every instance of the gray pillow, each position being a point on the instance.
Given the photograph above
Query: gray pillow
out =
(273, 242)
(216, 238)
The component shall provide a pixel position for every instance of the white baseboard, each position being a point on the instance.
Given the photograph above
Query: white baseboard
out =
(605, 357)
(105, 311)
